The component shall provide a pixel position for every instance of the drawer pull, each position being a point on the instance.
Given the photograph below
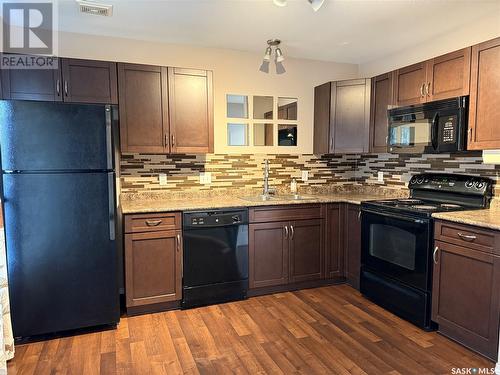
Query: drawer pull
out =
(292, 232)
(286, 231)
(153, 223)
(467, 237)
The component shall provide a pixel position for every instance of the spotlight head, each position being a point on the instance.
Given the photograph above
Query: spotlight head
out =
(280, 3)
(316, 4)
(279, 55)
(267, 55)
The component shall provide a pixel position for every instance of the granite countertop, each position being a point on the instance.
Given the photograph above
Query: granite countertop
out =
(489, 218)
(187, 203)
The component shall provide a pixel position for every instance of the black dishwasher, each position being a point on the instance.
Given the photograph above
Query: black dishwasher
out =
(215, 257)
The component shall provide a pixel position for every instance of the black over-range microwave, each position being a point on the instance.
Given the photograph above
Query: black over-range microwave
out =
(434, 127)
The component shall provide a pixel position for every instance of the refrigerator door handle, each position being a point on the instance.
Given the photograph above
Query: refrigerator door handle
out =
(109, 140)
(111, 205)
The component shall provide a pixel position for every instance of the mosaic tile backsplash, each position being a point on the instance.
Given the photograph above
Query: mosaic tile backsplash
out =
(139, 172)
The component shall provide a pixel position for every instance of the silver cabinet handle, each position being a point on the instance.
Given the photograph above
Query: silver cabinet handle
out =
(166, 140)
(286, 231)
(428, 89)
(434, 255)
(422, 90)
(470, 134)
(331, 145)
(58, 87)
(173, 139)
(359, 215)
(292, 232)
(467, 237)
(153, 223)
(66, 88)
(178, 239)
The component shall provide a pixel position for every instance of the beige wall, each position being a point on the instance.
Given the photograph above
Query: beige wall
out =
(235, 72)
(467, 35)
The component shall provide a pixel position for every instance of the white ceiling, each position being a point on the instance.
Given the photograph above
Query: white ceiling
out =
(344, 31)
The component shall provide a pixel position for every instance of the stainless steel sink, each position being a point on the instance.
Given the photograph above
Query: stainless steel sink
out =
(295, 197)
(258, 198)
(287, 197)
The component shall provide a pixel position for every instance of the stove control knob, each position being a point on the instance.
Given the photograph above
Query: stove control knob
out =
(236, 219)
(413, 180)
(479, 185)
(420, 180)
(469, 184)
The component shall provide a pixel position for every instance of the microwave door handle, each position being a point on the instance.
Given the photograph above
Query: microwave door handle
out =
(434, 131)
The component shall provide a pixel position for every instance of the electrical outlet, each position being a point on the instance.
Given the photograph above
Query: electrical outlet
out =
(305, 176)
(162, 178)
(380, 176)
(205, 178)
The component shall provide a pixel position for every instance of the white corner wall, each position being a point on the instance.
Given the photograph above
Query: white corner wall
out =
(234, 72)
(467, 35)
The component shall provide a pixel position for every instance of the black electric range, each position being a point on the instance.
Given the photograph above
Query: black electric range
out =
(398, 241)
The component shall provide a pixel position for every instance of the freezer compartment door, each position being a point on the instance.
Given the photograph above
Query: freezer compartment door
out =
(60, 251)
(43, 136)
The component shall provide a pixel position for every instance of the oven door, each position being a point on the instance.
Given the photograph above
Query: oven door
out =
(397, 246)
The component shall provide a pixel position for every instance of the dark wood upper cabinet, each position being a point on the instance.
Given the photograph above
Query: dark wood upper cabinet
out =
(439, 78)
(465, 296)
(334, 247)
(484, 107)
(448, 76)
(409, 84)
(323, 135)
(353, 244)
(87, 81)
(341, 122)
(32, 84)
(191, 110)
(143, 108)
(382, 99)
(306, 250)
(268, 254)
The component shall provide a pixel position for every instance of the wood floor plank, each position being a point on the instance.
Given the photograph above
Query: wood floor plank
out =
(329, 330)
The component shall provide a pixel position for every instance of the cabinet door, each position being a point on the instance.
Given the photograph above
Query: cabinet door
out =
(143, 113)
(153, 267)
(484, 108)
(88, 81)
(465, 296)
(334, 250)
(268, 254)
(381, 100)
(409, 84)
(32, 84)
(351, 123)
(191, 110)
(306, 250)
(448, 76)
(323, 140)
(353, 244)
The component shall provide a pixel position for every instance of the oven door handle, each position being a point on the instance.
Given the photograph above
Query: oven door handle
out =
(396, 216)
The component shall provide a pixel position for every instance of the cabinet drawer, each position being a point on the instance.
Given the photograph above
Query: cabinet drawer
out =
(285, 213)
(152, 222)
(467, 236)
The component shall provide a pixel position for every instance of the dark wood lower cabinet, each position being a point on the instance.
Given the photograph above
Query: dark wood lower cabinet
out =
(306, 250)
(353, 244)
(466, 296)
(153, 267)
(268, 254)
(334, 247)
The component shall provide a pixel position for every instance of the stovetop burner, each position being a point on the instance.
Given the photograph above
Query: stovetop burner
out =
(420, 207)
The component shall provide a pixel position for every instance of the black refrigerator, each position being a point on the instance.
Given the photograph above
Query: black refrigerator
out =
(58, 190)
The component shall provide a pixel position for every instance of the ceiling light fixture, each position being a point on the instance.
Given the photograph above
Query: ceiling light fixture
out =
(315, 4)
(278, 59)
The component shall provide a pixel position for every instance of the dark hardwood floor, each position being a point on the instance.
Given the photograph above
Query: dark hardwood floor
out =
(329, 330)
